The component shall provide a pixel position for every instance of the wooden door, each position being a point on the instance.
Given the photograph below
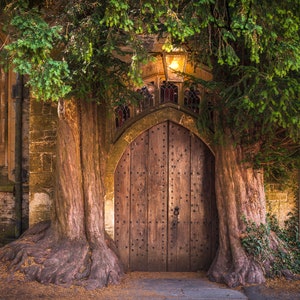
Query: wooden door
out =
(165, 211)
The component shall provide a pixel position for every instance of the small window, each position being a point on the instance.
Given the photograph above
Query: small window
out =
(148, 95)
(122, 113)
(168, 92)
(192, 99)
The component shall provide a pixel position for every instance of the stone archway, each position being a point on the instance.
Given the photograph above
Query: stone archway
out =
(123, 139)
(165, 211)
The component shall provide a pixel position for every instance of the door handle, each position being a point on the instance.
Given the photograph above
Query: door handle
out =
(176, 211)
(175, 218)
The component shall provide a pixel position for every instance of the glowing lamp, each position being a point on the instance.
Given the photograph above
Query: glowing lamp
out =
(174, 65)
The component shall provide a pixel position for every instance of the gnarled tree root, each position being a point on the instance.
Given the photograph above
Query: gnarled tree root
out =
(247, 269)
(43, 257)
(250, 272)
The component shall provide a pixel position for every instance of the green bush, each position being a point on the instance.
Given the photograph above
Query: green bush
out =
(282, 255)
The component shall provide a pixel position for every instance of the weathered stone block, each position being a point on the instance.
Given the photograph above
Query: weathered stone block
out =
(43, 123)
(36, 162)
(36, 135)
(45, 108)
(40, 207)
(280, 202)
(47, 162)
(35, 107)
(43, 146)
(7, 216)
(39, 181)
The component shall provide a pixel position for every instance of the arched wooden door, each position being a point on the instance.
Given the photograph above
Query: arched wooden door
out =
(165, 211)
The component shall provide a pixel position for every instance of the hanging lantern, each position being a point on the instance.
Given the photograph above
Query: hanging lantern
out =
(175, 64)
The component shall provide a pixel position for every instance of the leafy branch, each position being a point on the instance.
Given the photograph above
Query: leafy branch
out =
(30, 53)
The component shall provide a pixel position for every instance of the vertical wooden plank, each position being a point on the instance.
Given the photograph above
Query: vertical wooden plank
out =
(200, 212)
(179, 198)
(213, 214)
(164, 168)
(203, 207)
(138, 219)
(122, 207)
(157, 197)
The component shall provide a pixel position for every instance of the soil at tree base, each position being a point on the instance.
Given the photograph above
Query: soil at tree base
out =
(18, 288)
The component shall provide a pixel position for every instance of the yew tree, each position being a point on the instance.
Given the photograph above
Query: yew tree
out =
(72, 52)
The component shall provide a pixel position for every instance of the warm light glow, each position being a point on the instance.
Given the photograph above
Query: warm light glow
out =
(174, 62)
(174, 65)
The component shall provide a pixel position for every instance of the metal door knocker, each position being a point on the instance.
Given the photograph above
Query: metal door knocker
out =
(175, 219)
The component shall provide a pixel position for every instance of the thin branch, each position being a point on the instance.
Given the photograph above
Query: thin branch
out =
(4, 43)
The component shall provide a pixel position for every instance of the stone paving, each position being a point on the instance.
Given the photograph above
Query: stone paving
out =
(172, 288)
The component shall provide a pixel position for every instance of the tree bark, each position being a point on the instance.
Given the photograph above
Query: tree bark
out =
(240, 193)
(74, 249)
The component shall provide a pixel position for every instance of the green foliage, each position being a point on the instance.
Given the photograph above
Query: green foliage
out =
(96, 54)
(256, 240)
(31, 55)
(284, 254)
(117, 15)
(96, 49)
(81, 57)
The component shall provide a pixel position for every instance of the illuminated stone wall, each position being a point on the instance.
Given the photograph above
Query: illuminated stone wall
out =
(281, 201)
(43, 123)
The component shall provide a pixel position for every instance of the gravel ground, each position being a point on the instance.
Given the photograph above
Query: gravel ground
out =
(133, 287)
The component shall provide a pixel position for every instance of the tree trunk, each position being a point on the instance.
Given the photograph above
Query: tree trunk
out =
(240, 193)
(74, 249)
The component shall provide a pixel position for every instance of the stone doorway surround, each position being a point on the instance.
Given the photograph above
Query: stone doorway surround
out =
(167, 112)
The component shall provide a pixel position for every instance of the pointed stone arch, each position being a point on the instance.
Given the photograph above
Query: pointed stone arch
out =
(128, 135)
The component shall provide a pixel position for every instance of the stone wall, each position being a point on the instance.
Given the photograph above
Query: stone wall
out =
(7, 176)
(7, 215)
(42, 132)
(281, 201)
(43, 122)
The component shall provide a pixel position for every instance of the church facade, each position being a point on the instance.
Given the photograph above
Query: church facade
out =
(159, 178)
